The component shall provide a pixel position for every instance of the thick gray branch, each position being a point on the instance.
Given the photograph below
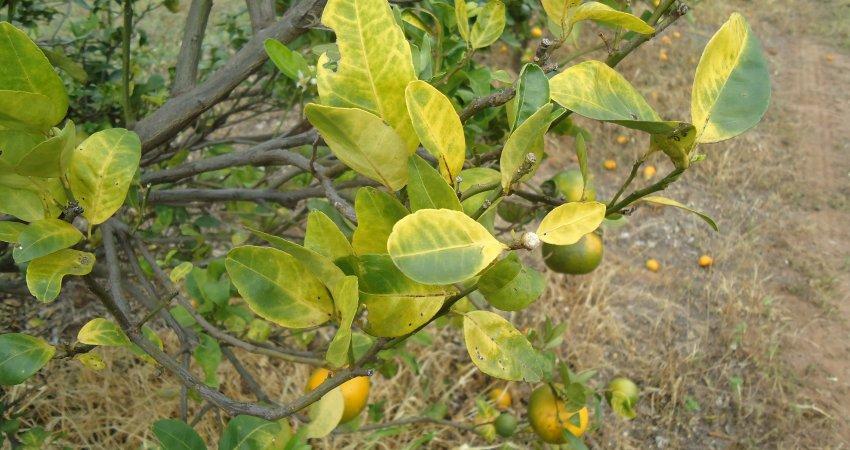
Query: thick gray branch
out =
(186, 71)
(261, 13)
(283, 198)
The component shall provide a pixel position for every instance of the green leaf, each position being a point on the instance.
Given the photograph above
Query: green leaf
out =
(321, 267)
(438, 127)
(659, 200)
(605, 14)
(526, 138)
(567, 223)
(677, 144)
(43, 237)
(100, 331)
(325, 414)
(45, 274)
(395, 304)
(462, 19)
(441, 246)
(532, 93)
(278, 288)
(101, 171)
(21, 356)
(209, 288)
(426, 189)
(208, 356)
(509, 285)
(731, 89)
(177, 435)
(15, 144)
(499, 350)
(557, 10)
(325, 238)
(363, 142)
(489, 24)
(252, 433)
(375, 64)
(10, 231)
(32, 93)
(346, 299)
(290, 63)
(58, 58)
(596, 91)
(377, 212)
(45, 159)
(179, 273)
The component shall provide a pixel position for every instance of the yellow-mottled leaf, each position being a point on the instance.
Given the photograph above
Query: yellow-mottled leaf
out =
(426, 189)
(462, 18)
(489, 24)
(45, 274)
(500, 350)
(325, 238)
(346, 298)
(566, 224)
(377, 212)
(526, 139)
(438, 126)
(325, 414)
(605, 14)
(100, 331)
(557, 10)
(44, 237)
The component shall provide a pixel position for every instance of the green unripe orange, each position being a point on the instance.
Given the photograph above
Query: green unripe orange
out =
(623, 387)
(505, 425)
(576, 259)
(568, 184)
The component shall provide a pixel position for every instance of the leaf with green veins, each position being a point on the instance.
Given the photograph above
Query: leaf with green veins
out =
(21, 356)
(322, 268)
(375, 64)
(14, 145)
(43, 237)
(45, 159)
(265, 279)
(509, 285)
(253, 433)
(731, 89)
(557, 10)
(290, 63)
(602, 13)
(532, 93)
(438, 127)
(596, 91)
(395, 305)
(441, 246)
(659, 200)
(377, 212)
(100, 331)
(177, 435)
(426, 189)
(363, 142)
(208, 356)
(567, 223)
(101, 170)
(32, 94)
(462, 19)
(325, 238)
(489, 24)
(499, 350)
(346, 299)
(10, 231)
(45, 274)
(526, 139)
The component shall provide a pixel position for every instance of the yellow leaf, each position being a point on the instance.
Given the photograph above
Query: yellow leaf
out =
(438, 126)
(567, 223)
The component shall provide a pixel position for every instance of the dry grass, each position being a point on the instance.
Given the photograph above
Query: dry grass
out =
(706, 346)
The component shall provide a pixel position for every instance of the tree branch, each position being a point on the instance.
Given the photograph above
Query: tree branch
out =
(186, 70)
(261, 13)
(283, 198)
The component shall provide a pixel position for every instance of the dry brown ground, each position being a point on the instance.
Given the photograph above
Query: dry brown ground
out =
(753, 353)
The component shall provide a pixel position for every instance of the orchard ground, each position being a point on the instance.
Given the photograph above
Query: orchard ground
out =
(751, 353)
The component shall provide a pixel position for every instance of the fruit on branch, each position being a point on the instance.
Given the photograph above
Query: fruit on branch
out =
(501, 398)
(549, 416)
(355, 392)
(568, 184)
(576, 259)
(505, 424)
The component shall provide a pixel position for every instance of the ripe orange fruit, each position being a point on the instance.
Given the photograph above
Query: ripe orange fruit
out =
(622, 139)
(677, 35)
(355, 392)
(705, 261)
(648, 172)
(653, 265)
(503, 49)
(501, 398)
(662, 55)
(666, 40)
(536, 32)
(609, 164)
(576, 259)
(568, 184)
(549, 417)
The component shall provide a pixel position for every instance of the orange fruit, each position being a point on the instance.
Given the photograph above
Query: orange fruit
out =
(576, 259)
(677, 35)
(666, 40)
(622, 139)
(653, 265)
(501, 398)
(648, 172)
(662, 55)
(609, 164)
(536, 32)
(705, 261)
(549, 417)
(505, 425)
(355, 392)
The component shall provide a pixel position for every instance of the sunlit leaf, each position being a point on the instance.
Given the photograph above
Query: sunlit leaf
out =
(377, 212)
(499, 350)
(489, 24)
(45, 274)
(567, 223)
(438, 127)
(43, 237)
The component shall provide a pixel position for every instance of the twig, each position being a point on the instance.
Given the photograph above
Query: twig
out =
(246, 375)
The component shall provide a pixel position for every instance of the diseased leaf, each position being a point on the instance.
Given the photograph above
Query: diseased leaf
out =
(346, 298)
(509, 285)
(375, 64)
(278, 288)
(525, 139)
(10, 231)
(438, 127)
(177, 435)
(45, 274)
(462, 19)
(44, 237)
(321, 267)
(731, 89)
(377, 212)
(605, 14)
(426, 189)
(659, 200)
(566, 224)
(499, 350)
(325, 238)
(489, 24)
(21, 356)
(100, 331)
(45, 159)
(363, 142)
(441, 246)
(557, 10)
(325, 414)
(677, 144)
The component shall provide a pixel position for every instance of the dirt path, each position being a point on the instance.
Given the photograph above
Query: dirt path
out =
(813, 82)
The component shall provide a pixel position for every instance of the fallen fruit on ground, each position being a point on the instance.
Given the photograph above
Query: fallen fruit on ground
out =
(648, 172)
(576, 259)
(653, 265)
(355, 392)
(549, 416)
(501, 398)
(609, 164)
(505, 425)
(705, 261)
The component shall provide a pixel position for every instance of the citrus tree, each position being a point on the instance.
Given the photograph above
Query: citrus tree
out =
(398, 189)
